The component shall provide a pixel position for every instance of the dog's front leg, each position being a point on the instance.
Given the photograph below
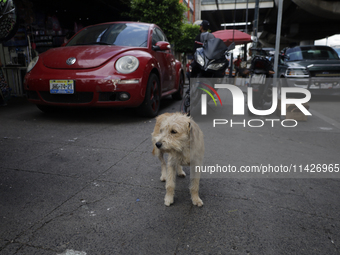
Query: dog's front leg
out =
(170, 180)
(194, 186)
(163, 166)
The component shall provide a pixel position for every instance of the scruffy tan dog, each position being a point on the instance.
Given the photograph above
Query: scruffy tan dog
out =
(174, 133)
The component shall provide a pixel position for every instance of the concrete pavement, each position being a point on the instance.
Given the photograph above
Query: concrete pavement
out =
(85, 182)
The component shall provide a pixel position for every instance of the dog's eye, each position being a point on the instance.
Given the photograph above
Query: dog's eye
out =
(173, 132)
(161, 130)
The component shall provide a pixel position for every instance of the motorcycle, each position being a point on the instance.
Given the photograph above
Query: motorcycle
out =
(260, 80)
(210, 62)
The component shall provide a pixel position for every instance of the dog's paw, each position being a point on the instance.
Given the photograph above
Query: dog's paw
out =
(181, 174)
(168, 200)
(197, 201)
(163, 178)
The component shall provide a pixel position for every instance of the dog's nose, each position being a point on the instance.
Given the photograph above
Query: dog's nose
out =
(159, 144)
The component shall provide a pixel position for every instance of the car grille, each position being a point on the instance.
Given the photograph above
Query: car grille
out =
(107, 96)
(77, 98)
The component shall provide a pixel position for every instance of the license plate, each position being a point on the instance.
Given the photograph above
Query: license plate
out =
(61, 86)
(326, 85)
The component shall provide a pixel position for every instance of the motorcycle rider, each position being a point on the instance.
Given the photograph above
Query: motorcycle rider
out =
(201, 37)
(204, 26)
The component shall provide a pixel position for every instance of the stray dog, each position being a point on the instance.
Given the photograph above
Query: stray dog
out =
(174, 133)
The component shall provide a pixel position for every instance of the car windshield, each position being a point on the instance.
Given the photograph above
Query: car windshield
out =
(311, 53)
(337, 50)
(120, 34)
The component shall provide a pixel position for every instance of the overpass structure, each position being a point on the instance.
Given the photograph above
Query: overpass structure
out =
(303, 21)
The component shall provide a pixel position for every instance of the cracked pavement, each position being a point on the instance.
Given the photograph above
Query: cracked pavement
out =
(85, 182)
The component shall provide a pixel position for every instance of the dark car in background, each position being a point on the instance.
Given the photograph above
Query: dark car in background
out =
(117, 64)
(313, 67)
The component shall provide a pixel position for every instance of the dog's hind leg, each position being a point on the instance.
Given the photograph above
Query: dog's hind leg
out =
(170, 181)
(194, 186)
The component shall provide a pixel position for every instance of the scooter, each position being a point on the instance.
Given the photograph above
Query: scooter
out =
(260, 80)
(210, 62)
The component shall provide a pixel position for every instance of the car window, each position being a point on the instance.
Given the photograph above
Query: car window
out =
(294, 54)
(337, 50)
(120, 34)
(311, 53)
(158, 36)
(318, 54)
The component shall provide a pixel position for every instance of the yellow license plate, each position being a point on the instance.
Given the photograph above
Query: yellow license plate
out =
(61, 86)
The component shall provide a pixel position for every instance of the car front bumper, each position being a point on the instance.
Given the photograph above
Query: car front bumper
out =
(317, 86)
(110, 91)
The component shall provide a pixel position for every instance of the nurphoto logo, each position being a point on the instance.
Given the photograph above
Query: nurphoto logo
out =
(239, 105)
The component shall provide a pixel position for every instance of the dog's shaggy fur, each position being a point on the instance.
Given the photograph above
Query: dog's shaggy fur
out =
(174, 133)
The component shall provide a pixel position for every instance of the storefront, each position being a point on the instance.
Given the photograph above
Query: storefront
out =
(26, 32)
(30, 27)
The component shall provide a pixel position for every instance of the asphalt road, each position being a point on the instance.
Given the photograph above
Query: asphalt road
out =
(85, 182)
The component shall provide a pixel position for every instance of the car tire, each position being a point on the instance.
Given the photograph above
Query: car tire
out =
(150, 106)
(179, 94)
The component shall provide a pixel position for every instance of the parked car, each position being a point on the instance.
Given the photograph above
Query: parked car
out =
(117, 64)
(313, 67)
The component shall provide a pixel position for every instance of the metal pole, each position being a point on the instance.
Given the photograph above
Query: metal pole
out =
(231, 65)
(256, 21)
(245, 45)
(278, 36)
(247, 17)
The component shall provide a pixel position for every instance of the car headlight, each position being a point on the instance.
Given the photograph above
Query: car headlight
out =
(215, 66)
(299, 73)
(127, 64)
(200, 59)
(32, 64)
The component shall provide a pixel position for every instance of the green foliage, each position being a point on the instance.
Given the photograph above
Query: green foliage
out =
(185, 43)
(167, 14)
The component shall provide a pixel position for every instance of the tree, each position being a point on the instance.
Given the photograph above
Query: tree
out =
(185, 44)
(167, 14)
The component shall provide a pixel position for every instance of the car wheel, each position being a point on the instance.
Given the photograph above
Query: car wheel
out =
(150, 106)
(185, 104)
(179, 94)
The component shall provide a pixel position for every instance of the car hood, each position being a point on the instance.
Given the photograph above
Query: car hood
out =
(315, 65)
(86, 56)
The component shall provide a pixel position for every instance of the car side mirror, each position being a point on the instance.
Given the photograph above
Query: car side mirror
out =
(161, 46)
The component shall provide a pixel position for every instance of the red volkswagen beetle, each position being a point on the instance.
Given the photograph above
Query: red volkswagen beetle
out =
(118, 64)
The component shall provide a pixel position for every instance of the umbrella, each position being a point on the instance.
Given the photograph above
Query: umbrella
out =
(230, 35)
